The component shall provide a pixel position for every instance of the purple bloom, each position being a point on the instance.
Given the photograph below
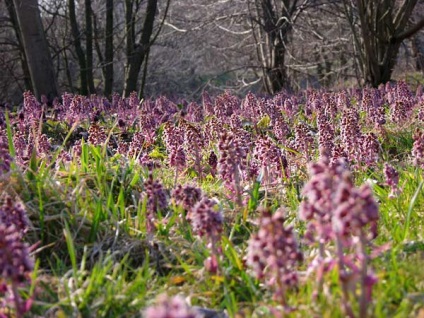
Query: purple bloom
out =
(15, 262)
(205, 220)
(167, 307)
(5, 158)
(186, 196)
(96, 135)
(392, 179)
(273, 253)
(14, 213)
(418, 148)
(15, 268)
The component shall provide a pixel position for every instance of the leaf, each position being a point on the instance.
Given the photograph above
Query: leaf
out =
(264, 122)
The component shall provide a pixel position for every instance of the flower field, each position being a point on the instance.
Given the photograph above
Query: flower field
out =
(288, 206)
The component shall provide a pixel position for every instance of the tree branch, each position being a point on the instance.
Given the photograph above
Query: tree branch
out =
(410, 32)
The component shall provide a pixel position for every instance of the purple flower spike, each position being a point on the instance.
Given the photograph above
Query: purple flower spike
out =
(186, 196)
(273, 253)
(14, 213)
(418, 148)
(392, 180)
(204, 219)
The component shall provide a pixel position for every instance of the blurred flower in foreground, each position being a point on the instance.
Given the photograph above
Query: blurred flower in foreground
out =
(167, 307)
(15, 268)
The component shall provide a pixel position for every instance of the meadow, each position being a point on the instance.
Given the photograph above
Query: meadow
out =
(287, 206)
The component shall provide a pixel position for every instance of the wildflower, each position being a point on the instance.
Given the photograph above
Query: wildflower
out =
(368, 149)
(325, 133)
(338, 211)
(273, 253)
(136, 145)
(392, 179)
(167, 307)
(350, 132)
(96, 135)
(157, 200)
(15, 262)
(231, 162)
(270, 157)
(43, 146)
(5, 158)
(304, 140)
(15, 267)
(186, 196)
(418, 148)
(207, 222)
(14, 213)
(204, 219)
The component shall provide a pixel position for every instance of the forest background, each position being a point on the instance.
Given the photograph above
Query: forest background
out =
(179, 48)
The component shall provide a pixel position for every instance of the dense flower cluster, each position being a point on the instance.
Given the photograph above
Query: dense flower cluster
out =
(207, 222)
(232, 162)
(14, 213)
(167, 307)
(5, 158)
(334, 206)
(350, 132)
(304, 141)
(15, 263)
(418, 148)
(325, 133)
(270, 158)
(156, 200)
(186, 196)
(273, 253)
(96, 135)
(392, 179)
(336, 211)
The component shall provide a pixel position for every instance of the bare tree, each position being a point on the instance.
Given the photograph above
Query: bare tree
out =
(36, 48)
(137, 50)
(272, 24)
(384, 24)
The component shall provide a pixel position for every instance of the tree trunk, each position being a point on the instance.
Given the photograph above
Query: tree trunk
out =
(382, 32)
(108, 68)
(24, 64)
(89, 45)
(137, 53)
(274, 24)
(36, 49)
(78, 48)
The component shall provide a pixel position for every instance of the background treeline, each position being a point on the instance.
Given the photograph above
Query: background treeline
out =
(182, 47)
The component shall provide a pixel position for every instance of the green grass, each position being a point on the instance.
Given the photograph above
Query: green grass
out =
(96, 259)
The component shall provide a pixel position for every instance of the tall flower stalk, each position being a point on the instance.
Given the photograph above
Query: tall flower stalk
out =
(337, 212)
(273, 254)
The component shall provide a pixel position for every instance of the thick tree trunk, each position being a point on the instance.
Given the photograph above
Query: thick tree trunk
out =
(78, 48)
(382, 32)
(24, 64)
(275, 26)
(137, 53)
(36, 49)
(277, 77)
(108, 68)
